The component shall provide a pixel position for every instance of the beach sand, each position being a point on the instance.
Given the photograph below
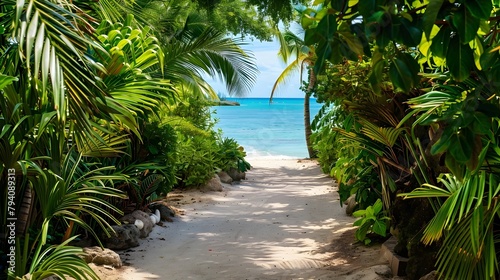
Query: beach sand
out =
(283, 222)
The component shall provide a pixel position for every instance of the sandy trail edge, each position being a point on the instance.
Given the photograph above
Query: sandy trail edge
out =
(283, 222)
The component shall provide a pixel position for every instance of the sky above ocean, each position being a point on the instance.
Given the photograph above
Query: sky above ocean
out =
(270, 67)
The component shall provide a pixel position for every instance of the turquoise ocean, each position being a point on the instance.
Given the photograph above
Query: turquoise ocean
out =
(266, 129)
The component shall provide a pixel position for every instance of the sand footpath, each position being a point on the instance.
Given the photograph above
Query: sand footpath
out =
(283, 222)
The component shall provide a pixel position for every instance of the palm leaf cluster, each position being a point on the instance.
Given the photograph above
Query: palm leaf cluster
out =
(79, 82)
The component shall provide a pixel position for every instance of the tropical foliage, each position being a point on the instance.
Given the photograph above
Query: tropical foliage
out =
(424, 115)
(87, 91)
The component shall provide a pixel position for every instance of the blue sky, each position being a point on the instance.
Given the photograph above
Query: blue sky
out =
(266, 54)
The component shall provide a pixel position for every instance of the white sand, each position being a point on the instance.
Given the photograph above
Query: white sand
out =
(283, 222)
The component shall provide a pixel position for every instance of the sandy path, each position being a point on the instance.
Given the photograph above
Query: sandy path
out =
(283, 222)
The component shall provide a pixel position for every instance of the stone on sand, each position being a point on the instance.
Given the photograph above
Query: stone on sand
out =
(100, 256)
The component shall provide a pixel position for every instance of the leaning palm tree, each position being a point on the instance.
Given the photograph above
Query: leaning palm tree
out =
(194, 50)
(304, 56)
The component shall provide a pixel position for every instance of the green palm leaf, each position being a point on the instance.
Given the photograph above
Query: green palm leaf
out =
(62, 261)
(193, 56)
(466, 220)
(385, 135)
(77, 190)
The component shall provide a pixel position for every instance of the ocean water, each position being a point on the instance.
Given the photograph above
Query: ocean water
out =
(267, 129)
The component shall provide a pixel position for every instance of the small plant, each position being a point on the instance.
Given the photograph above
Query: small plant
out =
(231, 155)
(196, 160)
(372, 221)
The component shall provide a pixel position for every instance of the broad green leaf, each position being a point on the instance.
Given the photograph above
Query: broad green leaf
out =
(379, 26)
(323, 52)
(353, 42)
(380, 228)
(346, 51)
(404, 72)
(477, 46)
(460, 59)
(466, 25)
(480, 8)
(444, 141)
(328, 26)
(481, 124)
(411, 35)
(359, 30)
(425, 44)
(430, 16)
(311, 36)
(462, 146)
(338, 5)
(377, 206)
(440, 43)
(477, 147)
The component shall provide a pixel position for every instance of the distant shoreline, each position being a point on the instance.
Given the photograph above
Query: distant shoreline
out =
(226, 103)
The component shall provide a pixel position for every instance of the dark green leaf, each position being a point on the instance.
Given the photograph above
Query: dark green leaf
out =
(311, 37)
(379, 26)
(480, 8)
(403, 72)
(462, 146)
(413, 66)
(380, 228)
(440, 42)
(336, 53)
(359, 30)
(430, 16)
(460, 59)
(323, 52)
(328, 26)
(466, 25)
(489, 58)
(444, 141)
(367, 7)
(338, 5)
(481, 124)
(376, 74)
(411, 35)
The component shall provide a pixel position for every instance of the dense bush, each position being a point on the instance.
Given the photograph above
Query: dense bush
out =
(196, 160)
(201, 150)
(231, 155)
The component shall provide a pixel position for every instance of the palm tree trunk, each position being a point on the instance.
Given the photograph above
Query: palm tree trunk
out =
(307, 114)
(307, 125)
(25, 211)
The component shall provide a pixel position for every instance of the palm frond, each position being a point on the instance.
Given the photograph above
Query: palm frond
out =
(61, 260)
(385, 135)
(210, 53)
(284, 76)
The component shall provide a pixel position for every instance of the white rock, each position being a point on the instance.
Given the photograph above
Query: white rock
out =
(153, 218)
(157, 214)
(139, 224)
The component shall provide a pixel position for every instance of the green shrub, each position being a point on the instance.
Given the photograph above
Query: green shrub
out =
(372, 220)
(231, 155)
(160, 141)
(197, 156)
